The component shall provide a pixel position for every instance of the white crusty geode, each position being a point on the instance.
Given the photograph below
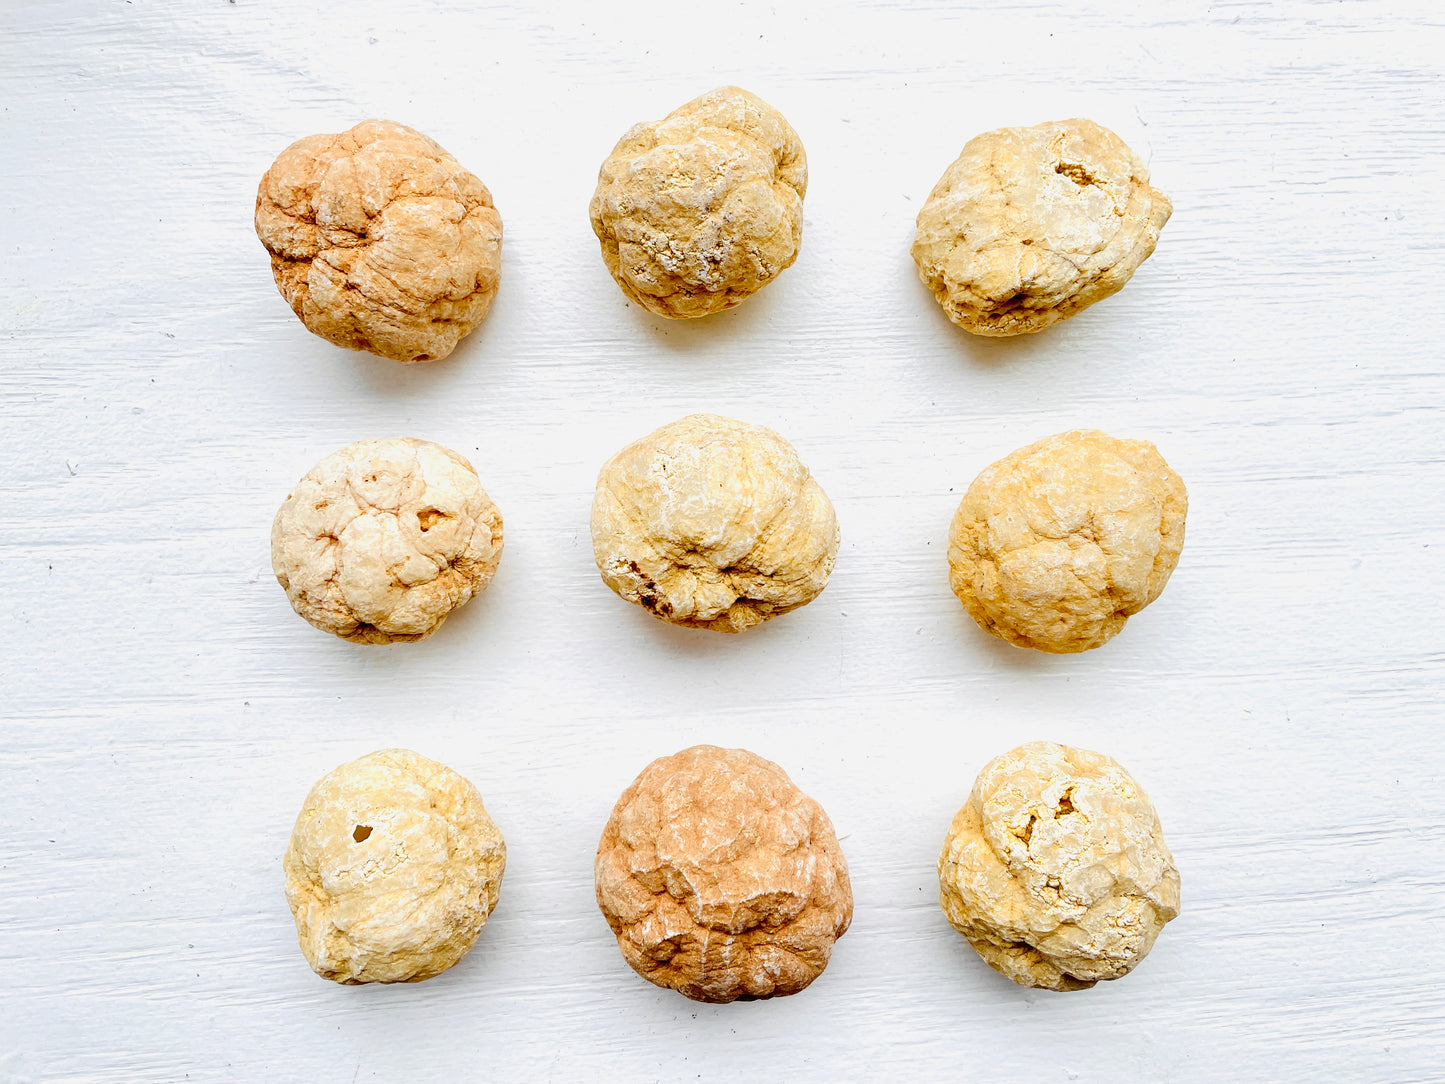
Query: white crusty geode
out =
(1055, 546)
(721, 879)
(713, 523)
(1056, 869)
(380, 240)
(382, 539)
(1031, 225)
(700, 210)
(392, 869)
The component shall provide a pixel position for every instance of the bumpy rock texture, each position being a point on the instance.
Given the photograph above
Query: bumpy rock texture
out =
(713, 523)
(1031, 225)
(703, 208)
(1056, 869)
(1055, 546)
(392, 869)
(380, 240)
(721, 879)
(384, 538)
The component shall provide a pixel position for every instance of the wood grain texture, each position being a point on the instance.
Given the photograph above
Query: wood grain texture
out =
(164, 712)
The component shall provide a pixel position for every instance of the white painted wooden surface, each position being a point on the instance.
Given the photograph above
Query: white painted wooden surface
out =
(164, 712)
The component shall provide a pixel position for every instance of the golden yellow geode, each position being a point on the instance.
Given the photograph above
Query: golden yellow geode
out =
(700, 210)
(392, 869)
(1055, 546)
(713, 523)
(1056, 868)
(380, 240)
(1031, 225)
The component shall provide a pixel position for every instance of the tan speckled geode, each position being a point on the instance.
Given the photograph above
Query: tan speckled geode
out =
(721, 879)
(380, 240)
(713, 523)
(392, 869)
(1055, 546)
(1031, 225)
(700, 210)
(1056, 869)
(382, 539)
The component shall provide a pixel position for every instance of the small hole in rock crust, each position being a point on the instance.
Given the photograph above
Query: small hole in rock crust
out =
(422, 357)
(429, 518)
(1077, 173)
(1066, 804)
(363, 832)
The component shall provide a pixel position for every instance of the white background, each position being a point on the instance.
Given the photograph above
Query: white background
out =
(164, 711)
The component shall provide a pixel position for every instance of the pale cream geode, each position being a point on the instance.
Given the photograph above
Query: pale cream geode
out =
(1031, 225)
(1056, 869)
(721, 879)
(382, 539)
(380, 240)
(700, 210)
(713, 523)
(392, 869)
(1055, 546)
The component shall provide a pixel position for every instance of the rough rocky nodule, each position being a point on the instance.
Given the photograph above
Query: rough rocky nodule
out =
(1056, 868)
(382, 539)
(1055, 546)
(721, 879)
(380, 240)
(713, 523)
(1031, 225)
(392, 869)
(698, 211)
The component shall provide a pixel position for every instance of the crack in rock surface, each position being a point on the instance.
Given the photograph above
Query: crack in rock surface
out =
(700, 210)
(1056, 868)
(721, 879)
(1032, 225)
(380, 240)
(392, 869)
